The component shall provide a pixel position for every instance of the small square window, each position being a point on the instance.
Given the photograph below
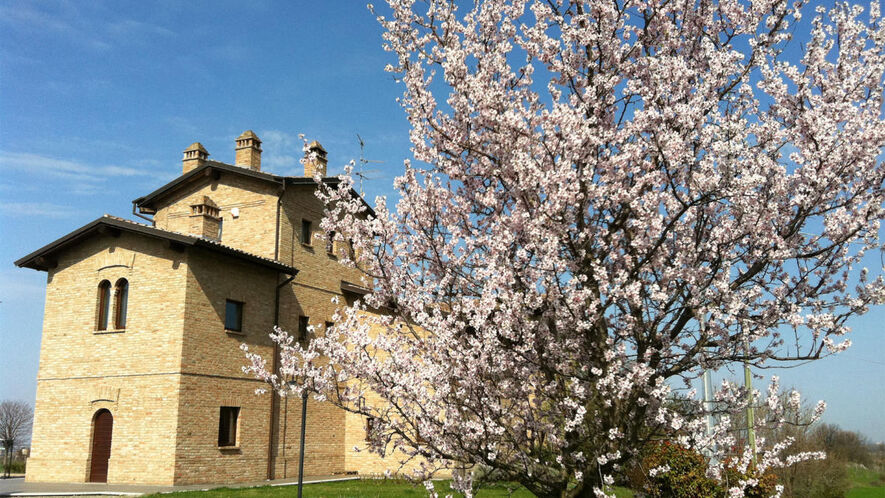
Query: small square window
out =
(227, 425)
(305, 232)
(233, 316)
(328, 327)
(303, 323)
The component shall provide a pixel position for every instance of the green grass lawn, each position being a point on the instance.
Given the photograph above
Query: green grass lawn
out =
(368, 488)
(866, 483)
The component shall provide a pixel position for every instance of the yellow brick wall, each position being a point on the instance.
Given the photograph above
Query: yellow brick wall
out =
(81, 369)
(212, 365)
(198, 457)
(252, 231)
(317, 268)
(323, 442)
(212, 279)
(166, 376)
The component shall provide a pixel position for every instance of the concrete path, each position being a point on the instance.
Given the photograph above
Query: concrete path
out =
(17, 486)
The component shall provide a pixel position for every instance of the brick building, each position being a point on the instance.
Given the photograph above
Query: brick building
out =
(140, 375)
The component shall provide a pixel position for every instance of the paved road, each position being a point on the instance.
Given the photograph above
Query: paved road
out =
(17, 486)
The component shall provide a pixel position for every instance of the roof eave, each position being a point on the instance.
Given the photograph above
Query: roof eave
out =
(207, 169)
(146, 205)
(41, 259)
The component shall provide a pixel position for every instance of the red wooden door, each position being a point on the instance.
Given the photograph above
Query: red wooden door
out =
(102, 428)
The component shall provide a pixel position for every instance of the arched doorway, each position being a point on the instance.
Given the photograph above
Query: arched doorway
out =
(102, 429)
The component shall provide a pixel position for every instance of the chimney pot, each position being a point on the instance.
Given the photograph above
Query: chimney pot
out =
(194, 157)
(315, 164)
(249, 151)
(205, 219)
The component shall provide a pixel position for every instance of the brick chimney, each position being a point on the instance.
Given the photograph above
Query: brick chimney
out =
(205, 219)
(194, 157)
(249, 151)
(311, 166)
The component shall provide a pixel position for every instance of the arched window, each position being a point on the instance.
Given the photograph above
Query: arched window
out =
(104, 305)
(121, 291)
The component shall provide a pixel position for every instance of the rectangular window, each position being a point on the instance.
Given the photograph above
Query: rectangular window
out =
(303, 323)
(330, 243)
(233, 316)
(329, 326)
(227, 425)
(305, 232)
(370, 427)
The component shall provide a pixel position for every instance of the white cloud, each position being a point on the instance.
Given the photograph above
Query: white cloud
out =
(130, 28)
(62, 167)
(44, 209)
(281, 152)
(79, 178)
(65, 24)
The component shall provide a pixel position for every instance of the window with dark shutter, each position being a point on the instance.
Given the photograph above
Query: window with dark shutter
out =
(104, 305)
(330, 244)
(121, 293)
(227, 425)
(233, 316)
(305, 232)
(303, 323)
(370, 427)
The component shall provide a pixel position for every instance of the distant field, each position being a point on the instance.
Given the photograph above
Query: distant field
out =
(368, 488)
(866, 483)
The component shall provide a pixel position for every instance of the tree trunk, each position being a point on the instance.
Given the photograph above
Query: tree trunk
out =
(8, 460)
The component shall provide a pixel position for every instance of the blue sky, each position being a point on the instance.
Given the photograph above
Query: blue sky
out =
(99, 99)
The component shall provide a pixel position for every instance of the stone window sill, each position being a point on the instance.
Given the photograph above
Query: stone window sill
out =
(111, 331)
(239, 333)
(229, 448)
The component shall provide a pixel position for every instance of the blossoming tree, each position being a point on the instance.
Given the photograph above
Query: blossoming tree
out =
(609, 197)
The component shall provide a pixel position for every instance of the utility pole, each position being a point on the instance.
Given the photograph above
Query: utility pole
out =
(708, 384)
(748, 384)
(708, 400)
(708, 389)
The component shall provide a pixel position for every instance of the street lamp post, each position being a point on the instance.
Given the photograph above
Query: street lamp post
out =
(301, 452)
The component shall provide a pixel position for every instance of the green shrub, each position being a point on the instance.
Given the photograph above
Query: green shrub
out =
(764, 488)
(686, 476)
(17, 467)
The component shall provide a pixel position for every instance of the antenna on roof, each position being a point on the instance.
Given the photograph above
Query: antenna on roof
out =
(364, 174)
